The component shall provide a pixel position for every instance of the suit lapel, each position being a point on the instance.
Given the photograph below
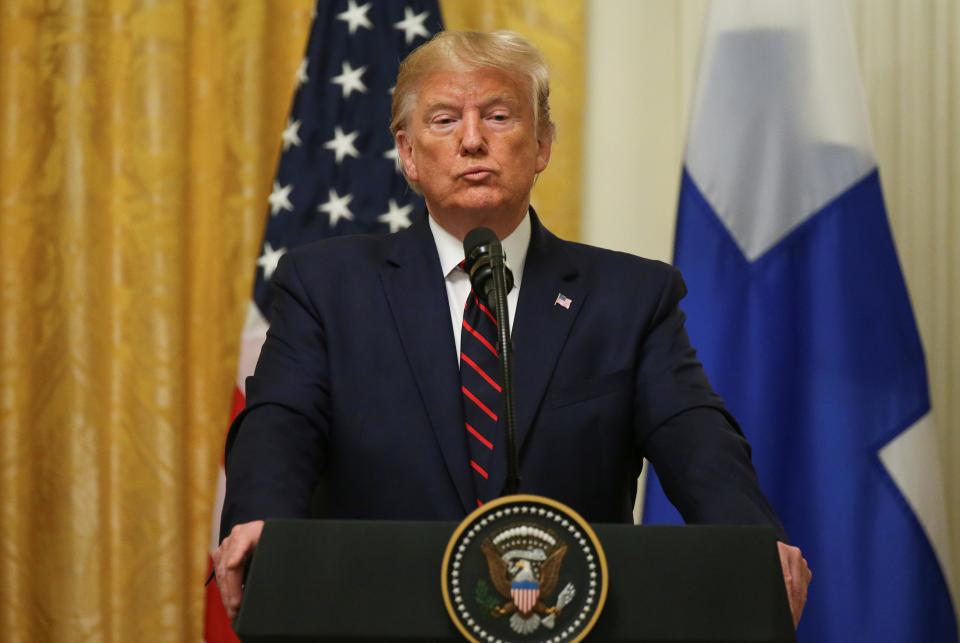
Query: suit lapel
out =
(417, 297)
(540, 328)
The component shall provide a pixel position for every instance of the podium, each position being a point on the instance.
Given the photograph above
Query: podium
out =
(330, 580)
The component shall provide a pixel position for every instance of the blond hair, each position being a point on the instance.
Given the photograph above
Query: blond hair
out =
(469, 51)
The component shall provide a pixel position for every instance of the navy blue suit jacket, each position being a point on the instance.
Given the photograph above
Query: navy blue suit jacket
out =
(358, 383)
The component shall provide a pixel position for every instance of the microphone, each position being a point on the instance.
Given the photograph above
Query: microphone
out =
(489, 275)
(483, 255)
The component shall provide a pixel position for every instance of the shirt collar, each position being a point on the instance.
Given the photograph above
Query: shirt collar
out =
(515, 247)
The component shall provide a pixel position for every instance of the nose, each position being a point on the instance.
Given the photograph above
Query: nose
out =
(472, 140)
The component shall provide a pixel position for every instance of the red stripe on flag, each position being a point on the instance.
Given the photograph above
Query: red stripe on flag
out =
(485, 442)
(483, 407)
(239, 402)
(480, 338)
(480, 372)
(483, 472)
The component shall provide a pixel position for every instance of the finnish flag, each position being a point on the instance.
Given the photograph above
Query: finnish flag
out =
(801, 316)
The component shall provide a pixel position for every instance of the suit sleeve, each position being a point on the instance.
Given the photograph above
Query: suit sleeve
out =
(696, 447)
(275, 447)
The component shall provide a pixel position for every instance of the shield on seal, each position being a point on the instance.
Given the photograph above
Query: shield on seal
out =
(524, 594)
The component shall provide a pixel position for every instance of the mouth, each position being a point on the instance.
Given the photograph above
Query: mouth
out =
(477, 173)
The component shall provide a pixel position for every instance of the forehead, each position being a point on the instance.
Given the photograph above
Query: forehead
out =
(459, 87)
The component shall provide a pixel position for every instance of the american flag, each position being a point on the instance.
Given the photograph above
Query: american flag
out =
(338, 166)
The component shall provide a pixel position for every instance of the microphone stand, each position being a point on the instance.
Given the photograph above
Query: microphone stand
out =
(512, 483)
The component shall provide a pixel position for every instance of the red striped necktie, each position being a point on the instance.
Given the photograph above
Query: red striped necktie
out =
(481, 392)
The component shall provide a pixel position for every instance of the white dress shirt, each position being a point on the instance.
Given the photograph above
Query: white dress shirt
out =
(450, 250)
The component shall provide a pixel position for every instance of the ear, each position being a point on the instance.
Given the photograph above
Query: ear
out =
(544, 144)
(405, 150)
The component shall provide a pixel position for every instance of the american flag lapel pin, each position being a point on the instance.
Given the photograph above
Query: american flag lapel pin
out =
(563, 300)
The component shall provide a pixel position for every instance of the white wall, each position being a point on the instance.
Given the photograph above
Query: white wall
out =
(640, 66)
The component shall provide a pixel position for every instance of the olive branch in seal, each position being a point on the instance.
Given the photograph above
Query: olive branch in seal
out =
(484, 596)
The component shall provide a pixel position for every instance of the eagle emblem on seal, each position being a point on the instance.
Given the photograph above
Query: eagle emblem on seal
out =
(524, 563)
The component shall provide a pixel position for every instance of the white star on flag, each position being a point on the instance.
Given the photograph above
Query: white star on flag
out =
(302, 77)
(396, 217)
(342, 144)
(337, 208)
(291, 135)
(393, 155)
(269, 259)
(349, 80)
(356, 16)
(280, 198)
(412, 25)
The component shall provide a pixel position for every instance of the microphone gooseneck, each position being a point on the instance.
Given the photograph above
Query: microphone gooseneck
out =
(489, 275)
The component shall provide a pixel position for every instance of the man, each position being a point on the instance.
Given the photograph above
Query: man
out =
(363, 377)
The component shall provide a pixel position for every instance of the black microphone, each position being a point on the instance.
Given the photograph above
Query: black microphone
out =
(482, 255)
(489, 275)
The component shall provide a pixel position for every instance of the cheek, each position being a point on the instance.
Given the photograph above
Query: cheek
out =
(524, 151)
(427, 162)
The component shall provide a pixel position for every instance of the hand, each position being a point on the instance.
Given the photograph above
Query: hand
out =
(230, 560)
(796, 576)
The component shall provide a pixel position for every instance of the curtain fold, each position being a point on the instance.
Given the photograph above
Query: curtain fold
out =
(137, 142)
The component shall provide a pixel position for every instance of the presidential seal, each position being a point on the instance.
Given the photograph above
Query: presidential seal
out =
(524, 568)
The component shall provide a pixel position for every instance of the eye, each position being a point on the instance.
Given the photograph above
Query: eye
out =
(443, 122)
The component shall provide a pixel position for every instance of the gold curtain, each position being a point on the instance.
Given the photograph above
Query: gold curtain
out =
(138, 140)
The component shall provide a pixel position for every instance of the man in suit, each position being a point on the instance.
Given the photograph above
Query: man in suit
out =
(362, 380)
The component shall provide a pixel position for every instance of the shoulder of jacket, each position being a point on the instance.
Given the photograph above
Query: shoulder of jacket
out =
(624, 264)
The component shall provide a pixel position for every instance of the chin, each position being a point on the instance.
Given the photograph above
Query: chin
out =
(481, 201)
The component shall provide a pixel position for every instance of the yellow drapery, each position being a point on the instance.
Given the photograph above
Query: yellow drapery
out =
(138, 140)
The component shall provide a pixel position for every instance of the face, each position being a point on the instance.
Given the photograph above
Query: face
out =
(471, 145)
